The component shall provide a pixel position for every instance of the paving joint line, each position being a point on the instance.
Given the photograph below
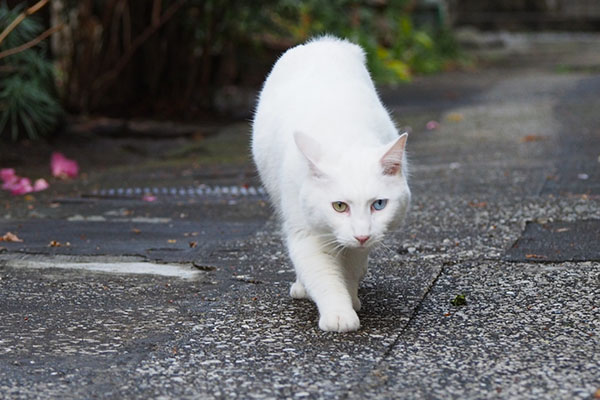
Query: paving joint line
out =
(408, 323)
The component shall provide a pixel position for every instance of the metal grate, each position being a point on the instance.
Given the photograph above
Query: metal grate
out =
(200, 191)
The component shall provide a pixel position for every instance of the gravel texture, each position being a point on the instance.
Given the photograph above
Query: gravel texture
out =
(511, 140)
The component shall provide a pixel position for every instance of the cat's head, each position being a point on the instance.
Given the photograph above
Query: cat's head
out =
(354, 196)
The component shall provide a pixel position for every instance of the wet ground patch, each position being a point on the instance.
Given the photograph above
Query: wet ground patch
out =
(557, 242)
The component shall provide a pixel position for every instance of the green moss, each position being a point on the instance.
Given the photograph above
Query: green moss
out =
(459, 300)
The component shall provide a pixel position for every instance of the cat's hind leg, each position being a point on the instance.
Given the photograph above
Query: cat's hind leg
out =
(355, 268)
(356, 303)
(297, 291)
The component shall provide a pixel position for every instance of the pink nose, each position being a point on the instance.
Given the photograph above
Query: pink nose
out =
(362, 239)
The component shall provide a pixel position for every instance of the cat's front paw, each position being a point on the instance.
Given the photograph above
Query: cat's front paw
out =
(339, 321)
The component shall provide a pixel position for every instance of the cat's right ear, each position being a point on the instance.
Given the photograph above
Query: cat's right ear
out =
(392, 159)
(311, 150)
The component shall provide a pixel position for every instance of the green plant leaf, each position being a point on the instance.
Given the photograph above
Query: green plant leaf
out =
(29, 106)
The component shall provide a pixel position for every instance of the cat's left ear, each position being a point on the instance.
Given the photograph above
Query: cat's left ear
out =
(392, 159)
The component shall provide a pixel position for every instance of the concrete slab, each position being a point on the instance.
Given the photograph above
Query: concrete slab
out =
(528, 331)
(557, 241)
(152, 238)
(220, 336)
(577, 164)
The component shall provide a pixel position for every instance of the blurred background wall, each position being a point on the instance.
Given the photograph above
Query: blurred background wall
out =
(527, 15)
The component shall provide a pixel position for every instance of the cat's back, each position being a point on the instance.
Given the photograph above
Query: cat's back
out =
(318, 85)
(318, 60)
(322, 89)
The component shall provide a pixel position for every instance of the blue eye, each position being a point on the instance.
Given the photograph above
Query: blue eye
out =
(379, 205)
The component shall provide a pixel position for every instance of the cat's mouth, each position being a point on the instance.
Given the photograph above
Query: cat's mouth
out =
(361, 242)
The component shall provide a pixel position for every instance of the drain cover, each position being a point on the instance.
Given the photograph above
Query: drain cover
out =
(216, 191)
(557, 242)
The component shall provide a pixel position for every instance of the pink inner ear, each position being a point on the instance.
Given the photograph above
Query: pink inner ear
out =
(391, 169)
(392, 159)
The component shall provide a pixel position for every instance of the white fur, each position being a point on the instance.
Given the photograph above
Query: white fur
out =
(321, 135)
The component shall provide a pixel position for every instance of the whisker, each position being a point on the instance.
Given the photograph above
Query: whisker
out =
(386, 249)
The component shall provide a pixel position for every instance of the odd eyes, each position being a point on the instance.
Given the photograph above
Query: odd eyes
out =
(340, 206)
(377, 205)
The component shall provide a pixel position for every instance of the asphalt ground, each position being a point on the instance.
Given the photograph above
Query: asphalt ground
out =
(490, 290)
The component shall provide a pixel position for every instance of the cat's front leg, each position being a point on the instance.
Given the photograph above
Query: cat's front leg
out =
(323, 279)
(355, 268)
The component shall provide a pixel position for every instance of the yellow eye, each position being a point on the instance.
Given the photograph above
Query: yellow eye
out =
(340, 206)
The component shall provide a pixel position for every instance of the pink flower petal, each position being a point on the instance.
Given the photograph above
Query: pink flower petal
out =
(40, 184)
(7, 174)
(18, 187)
(149, 198)
(431, 125)
(62, 167)
(14, 183)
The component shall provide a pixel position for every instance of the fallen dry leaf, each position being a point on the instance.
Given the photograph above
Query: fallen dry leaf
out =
(193, 244)
(10, 237)
(534, 256)
(136, 231)
(455, 117)
(480, 204)
(532, 138)
(55, 243)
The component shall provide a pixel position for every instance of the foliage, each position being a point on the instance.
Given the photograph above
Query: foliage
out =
(396, 48)
(118, 60)
(28, 103)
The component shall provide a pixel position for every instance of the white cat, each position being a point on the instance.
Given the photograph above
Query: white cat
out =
(333, 164)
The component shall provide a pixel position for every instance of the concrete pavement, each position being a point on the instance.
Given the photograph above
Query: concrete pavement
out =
(517, 147)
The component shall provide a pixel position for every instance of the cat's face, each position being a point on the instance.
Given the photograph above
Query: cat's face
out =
(355, 198)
